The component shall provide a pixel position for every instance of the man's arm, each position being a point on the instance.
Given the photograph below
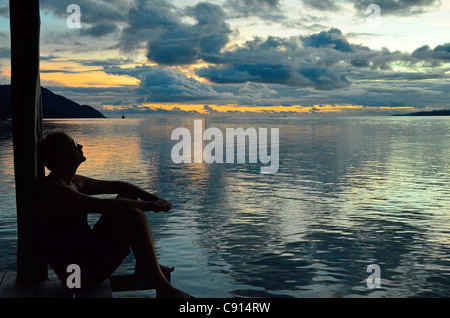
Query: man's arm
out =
(55, 198)
(92, 186)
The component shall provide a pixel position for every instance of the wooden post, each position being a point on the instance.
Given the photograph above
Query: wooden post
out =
(26, 113)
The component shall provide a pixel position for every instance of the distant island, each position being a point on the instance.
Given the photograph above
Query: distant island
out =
(53, 106)
(443, 112)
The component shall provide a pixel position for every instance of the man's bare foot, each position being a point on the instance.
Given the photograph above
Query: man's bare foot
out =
(166, 270)
(168, 291)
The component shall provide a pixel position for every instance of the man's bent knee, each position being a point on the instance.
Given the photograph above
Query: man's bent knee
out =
(133, 215)
(129, 223)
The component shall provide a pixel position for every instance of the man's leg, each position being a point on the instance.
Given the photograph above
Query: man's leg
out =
(138, 270)
(131, 227)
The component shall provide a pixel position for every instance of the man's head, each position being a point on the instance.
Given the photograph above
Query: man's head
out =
(60, 152)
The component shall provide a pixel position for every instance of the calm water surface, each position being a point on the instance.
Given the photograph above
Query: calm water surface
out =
(349, 192)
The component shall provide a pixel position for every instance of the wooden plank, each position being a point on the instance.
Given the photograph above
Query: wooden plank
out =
(121, 283)
(101, 291)
(9, 288)
(52, 288)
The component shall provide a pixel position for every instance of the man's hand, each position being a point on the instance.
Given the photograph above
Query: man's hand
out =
(162, 205)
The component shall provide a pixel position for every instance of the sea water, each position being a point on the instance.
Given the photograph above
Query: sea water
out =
(350, 193)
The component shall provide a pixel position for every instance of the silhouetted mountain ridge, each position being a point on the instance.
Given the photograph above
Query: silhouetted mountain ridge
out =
(53, 105)
(440, 112)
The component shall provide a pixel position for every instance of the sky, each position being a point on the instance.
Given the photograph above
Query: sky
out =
(300, 57)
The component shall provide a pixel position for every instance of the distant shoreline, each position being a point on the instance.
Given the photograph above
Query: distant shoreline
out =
(444, 112)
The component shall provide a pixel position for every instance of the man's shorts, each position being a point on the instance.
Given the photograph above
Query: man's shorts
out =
(97, 252)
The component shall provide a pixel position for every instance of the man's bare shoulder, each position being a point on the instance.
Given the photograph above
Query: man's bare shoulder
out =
(50, 189)
(53, 197)
(44, 185)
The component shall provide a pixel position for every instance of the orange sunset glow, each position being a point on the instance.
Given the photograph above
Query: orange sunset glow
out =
(199, 108)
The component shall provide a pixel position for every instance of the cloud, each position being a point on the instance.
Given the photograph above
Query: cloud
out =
(104, 62)
(297, 61)
(439, 54)
(321, 60)
(388, 7)
(323, 65)
(397, 7)
(333, 38)
(209, 109)
(169, 85)
(5, 52)
(322, 5)
(265, 9)
(159, 84)
(147, 19)
(269, 50)
(187, 44)
(305, 75)
(169, 40)
(99, 30)
(256, 89)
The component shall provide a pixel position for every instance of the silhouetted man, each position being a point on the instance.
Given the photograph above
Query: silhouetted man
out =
(64, 200)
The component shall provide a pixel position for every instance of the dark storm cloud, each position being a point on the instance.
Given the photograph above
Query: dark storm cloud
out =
(146, 21)
(242, 73)
(268, 50)
(99, 30)
(439, 54)
(168, 85)
(304, 75)
(332, 38)
(169, 40)
(304, 61)
(187, 44)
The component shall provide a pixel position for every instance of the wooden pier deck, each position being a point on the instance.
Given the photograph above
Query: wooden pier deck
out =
(53, 287)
